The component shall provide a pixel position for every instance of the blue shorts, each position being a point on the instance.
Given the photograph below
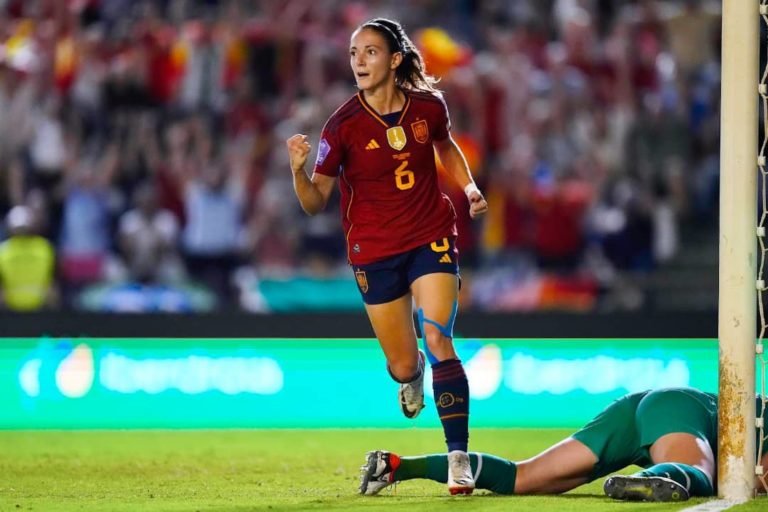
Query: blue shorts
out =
(389, 279)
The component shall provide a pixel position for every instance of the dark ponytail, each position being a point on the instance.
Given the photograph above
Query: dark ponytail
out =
(410, 74)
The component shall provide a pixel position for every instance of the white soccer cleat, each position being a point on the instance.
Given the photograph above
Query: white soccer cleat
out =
(378, 472)
(411, 394)
(460, 479)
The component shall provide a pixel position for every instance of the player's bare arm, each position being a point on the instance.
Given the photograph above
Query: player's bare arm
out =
(313, 193)
(456, 165)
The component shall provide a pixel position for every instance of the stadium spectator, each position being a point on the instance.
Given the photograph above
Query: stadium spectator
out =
(148, 238)
(85, 244)
(166, 162)
(201, 86)
(27, 264)
(48, 154)
(214, 202)
(691, 30)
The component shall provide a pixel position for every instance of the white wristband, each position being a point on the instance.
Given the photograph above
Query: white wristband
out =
(471, 188)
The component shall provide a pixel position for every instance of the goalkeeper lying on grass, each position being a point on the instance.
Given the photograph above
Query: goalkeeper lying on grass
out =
(672, 433)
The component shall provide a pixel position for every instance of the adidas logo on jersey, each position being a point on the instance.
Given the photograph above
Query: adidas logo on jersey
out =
(372, 145)
(445, 259)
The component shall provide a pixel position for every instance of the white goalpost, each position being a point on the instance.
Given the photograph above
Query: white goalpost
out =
(741, 266)
(762, 428)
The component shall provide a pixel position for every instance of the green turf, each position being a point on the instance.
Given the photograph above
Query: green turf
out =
(255, 470)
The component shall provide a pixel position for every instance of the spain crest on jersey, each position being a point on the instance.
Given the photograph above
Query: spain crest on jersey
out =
(362, 280)
(420, 131)
(396, 137)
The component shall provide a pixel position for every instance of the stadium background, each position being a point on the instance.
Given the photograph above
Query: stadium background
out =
(146, 141)
(142, 143)
(176, 283)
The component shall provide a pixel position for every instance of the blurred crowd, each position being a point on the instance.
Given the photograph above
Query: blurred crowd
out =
(143, 164)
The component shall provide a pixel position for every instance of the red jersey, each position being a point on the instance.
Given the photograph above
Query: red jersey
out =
(390, 200)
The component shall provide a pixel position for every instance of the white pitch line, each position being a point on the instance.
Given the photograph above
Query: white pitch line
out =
(714, 506)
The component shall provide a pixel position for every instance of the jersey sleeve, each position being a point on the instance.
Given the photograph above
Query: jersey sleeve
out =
(443, 124)
(330, 153)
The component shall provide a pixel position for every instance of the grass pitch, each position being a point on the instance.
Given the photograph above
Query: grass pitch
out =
(257, 470)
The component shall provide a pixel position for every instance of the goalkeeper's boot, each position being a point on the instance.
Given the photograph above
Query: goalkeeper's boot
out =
(378, 471)
(411, 394)
(644, 488)
(460, 480)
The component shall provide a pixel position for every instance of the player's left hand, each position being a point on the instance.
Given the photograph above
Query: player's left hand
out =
(477, 204)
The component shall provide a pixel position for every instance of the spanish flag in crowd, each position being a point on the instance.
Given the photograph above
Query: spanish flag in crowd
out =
(65, 63)
(440, 51)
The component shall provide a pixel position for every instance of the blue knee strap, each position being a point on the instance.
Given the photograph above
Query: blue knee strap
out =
(445, 330)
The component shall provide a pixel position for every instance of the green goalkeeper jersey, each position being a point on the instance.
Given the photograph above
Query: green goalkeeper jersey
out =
(623, 432)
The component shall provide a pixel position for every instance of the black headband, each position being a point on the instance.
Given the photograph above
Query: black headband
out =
(376, 24)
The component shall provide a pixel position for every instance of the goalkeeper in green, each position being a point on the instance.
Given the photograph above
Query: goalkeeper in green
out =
(672, 433)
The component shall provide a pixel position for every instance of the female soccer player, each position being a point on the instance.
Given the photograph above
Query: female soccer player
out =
(672, 433)
(400, 228)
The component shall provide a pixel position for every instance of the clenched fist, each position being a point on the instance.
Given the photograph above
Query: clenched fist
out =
(477, 203)
(298, 150)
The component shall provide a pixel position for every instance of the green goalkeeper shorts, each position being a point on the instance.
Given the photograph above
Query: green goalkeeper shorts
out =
(623, 433)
